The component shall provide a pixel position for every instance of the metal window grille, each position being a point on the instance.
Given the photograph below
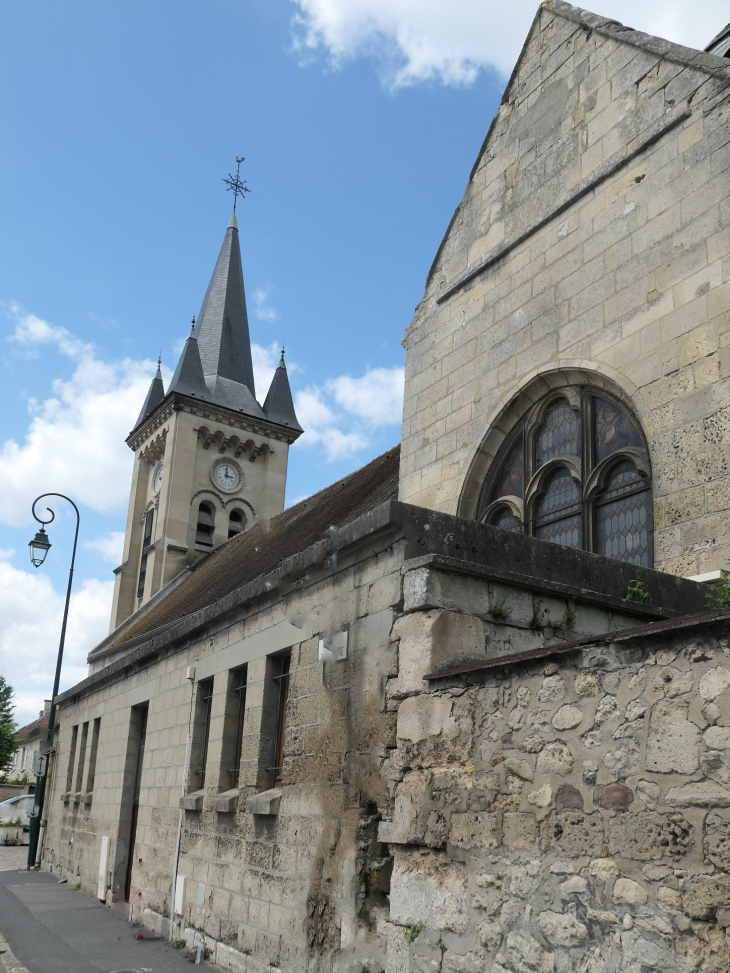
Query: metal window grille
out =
(239, 689)
(206, 696)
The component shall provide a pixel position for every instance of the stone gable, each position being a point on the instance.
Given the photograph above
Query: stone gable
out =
(591, 246)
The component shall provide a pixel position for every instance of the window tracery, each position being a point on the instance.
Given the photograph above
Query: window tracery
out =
(575, 471)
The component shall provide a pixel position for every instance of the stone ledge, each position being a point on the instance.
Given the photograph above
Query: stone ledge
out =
(87, 798)
(267, 802)
(192, 801)
(226, 802)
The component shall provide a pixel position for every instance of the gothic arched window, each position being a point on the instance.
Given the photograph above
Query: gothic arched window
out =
(575, 471)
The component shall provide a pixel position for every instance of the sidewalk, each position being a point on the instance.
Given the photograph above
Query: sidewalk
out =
(52, 928)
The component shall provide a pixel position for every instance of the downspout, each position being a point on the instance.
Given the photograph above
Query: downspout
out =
(191, 677)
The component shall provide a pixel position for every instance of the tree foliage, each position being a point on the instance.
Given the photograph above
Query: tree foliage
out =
(8, 728)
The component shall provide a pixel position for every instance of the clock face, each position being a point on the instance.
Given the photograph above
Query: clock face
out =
(226, 476)
(157, 483)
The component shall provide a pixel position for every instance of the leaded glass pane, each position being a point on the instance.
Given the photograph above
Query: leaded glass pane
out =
(506, 520)
(558, 511)
(559, 433)
(510, 478)
(613, 430)
(622, 517)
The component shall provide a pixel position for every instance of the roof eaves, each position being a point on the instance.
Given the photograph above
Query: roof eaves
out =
(375, 520)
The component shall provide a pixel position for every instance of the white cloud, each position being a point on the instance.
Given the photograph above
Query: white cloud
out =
(261, 309)
(30, 627)
(110, 546)
(265, 361)
(359, 404)
(423, 40)
(376, 397)
(75, 439)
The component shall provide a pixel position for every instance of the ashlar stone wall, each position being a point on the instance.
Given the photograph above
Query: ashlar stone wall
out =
(304, 875)
(592, 246)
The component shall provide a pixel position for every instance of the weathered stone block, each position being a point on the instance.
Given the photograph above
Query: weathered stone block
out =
(569, 797)
(435, 730)
(428, 889)
(410, 813)
(431, 640)
(573, 834)
(708, 894)
(717, 842)
(555, 758)
(673, 745)
(522, 953)
(562, 929)
(649, 836)
(519, 830)
(702, 794)
(613, 797)
(480, 829)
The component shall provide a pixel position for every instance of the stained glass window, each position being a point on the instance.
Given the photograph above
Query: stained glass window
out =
(615, 521)
(613, 429)
(559, 434)
(622, 516)
(558, 512)
(510, 479)
(505, 518)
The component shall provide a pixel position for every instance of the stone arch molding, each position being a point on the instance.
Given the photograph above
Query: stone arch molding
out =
(223, 502)
(505, 416)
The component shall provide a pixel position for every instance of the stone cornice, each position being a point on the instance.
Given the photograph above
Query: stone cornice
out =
(175, 402)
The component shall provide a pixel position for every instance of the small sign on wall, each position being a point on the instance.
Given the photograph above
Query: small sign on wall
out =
(334, 649)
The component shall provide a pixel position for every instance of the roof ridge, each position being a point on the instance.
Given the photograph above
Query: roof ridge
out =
(693, 57)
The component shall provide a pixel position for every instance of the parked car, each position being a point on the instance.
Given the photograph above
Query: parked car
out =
(15, 807)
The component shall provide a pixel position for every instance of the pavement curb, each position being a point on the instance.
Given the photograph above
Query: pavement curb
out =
(9, 962)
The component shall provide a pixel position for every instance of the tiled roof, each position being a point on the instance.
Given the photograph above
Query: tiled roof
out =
(26, 732)
(259, 550)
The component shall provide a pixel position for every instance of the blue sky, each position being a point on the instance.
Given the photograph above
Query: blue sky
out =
(359, 121)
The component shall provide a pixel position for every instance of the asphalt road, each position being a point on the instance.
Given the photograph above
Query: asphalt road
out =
(52, 928)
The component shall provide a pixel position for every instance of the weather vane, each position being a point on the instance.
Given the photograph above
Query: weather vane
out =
(237, 184)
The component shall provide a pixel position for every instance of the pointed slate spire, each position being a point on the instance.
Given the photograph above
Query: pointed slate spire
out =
(188, 378)
(155, 395)
(223, 338)
(279, 405)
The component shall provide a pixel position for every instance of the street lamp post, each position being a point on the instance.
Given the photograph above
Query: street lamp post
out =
(39, 547)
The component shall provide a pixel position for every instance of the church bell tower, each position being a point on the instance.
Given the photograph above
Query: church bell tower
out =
(209, 461)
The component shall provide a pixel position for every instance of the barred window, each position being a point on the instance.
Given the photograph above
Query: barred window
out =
(575, 471)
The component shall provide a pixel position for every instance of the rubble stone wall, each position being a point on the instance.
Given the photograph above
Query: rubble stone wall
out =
(568, 816)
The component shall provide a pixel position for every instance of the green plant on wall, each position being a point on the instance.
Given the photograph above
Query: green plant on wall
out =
(411, 933)
(638, 592)
(719, 597)
(500, 609)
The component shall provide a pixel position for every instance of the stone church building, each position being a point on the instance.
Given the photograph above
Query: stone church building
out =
(467, 709)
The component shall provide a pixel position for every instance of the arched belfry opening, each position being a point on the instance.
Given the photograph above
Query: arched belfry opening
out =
(572, 467)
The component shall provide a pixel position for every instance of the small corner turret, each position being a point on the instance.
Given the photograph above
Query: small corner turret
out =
(209, 460)
(279, 405)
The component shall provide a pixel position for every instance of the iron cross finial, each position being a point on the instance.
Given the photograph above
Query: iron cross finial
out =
(235, 183)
